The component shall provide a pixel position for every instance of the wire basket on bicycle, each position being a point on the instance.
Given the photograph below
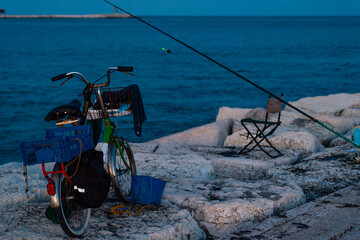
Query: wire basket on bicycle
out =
(119, 102)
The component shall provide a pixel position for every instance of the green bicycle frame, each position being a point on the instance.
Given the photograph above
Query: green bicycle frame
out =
(109, 132)
(109, 137)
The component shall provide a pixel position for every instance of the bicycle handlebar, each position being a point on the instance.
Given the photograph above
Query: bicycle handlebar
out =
(61, 76)
(120, 69)
(78, 75)
(125, 69)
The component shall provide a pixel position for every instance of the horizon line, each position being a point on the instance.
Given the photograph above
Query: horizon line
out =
(111, 14)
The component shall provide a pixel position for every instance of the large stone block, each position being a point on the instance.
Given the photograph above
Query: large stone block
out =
(175, 165)
(253, 165)
(12, 191)
(335, 216)
(339, 141)
(321, 173)
(300, 141)
(239, 138)
(222, 205)
(303, 142)
(212, 134)
(338, 124)
(232, 113)
(169, 222)
(333, 104)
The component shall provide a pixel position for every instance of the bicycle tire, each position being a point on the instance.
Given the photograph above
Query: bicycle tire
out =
(73, 218)
(119, 172)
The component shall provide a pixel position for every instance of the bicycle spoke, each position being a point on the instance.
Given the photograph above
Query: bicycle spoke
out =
(123, 168)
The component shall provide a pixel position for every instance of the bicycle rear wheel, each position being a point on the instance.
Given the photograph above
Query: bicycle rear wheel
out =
(121, 167)
(72, 217)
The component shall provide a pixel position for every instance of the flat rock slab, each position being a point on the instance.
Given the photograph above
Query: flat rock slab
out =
(339, 124)
(221, 205)
(212, 134)
(333, 104)
(168, 222)
(335, 216)
(13, 192)
(321, 173)
(167, 161)
(300, 141)
(232, 113)
(228, 163)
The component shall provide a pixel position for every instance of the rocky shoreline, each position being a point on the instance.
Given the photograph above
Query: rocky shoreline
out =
(214, 193)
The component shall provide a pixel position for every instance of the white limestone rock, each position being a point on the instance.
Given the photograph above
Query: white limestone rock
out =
(168, 166)
(328, 217)
(166, 222)
(228, 163)
(237, 126)
(352, 112)
(287, 118)
(249, 166)
(257, 114)
(239, 138)
(333, 104)
(12, 191)
(212, 134)
(232, 113)
(303, 142)
(221, 205)
(339, 141)
(321, 173)
(338, 124)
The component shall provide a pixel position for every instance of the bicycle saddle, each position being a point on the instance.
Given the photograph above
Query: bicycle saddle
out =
(72, 110)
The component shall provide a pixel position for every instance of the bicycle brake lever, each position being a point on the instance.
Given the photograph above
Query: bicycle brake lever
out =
(129, 73)
(69, 77)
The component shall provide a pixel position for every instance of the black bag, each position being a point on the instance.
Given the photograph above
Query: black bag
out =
(91, 182)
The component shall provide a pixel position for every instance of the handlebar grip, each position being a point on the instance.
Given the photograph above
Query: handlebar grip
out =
(125, 69)
(61, 76)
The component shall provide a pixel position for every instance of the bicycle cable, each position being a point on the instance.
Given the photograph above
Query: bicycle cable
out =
(99, 78)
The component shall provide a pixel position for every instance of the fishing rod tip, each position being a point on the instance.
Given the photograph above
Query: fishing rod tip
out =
(167, 50)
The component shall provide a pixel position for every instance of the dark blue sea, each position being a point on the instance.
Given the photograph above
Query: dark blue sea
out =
(299, 56)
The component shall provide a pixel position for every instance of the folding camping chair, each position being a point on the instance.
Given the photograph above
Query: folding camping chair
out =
(273, 106)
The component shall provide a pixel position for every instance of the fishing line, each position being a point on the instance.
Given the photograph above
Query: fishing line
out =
(238, 75)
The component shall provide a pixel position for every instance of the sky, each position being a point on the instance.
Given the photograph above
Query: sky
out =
(188, 7)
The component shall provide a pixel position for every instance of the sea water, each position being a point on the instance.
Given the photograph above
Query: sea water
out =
(297, 56)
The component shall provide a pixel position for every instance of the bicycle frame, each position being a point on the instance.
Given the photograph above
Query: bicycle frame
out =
(108, 135)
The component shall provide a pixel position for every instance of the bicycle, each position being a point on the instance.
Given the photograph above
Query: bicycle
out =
(118, 156)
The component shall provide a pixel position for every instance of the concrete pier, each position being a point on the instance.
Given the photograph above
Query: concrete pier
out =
(87, 16)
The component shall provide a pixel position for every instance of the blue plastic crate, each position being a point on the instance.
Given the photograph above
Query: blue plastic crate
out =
(44, 151)
(147, 190)
(84, 133)
(60, 145)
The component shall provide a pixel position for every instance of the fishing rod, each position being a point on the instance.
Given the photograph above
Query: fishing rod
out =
(238, 75)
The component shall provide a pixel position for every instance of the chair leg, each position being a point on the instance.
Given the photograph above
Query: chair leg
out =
(244, 149)
(262, 137)
(270, 145)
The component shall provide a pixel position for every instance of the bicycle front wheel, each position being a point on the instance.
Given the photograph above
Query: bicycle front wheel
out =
(72, 217)
(121, 167)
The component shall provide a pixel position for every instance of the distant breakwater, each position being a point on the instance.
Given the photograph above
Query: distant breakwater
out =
(87, 16)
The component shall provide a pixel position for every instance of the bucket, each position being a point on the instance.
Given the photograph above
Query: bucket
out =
(146, 190)
(356, 135)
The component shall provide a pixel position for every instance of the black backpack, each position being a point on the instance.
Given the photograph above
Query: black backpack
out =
(91, 182)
